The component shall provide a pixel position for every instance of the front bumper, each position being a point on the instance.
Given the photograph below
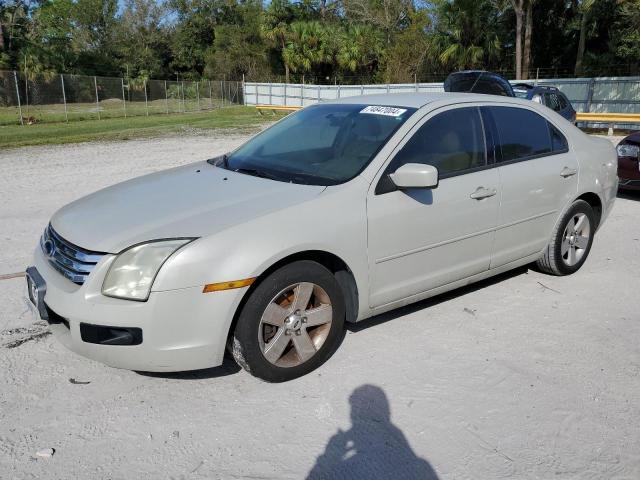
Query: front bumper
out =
(629, 173)
(182, 329)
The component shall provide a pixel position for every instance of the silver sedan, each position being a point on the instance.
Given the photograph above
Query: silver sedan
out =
(338, 212)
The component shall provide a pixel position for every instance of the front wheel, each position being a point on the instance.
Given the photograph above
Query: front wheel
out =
(291, 323)
(571, 241)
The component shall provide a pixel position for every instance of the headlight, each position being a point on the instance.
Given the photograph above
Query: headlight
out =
(628, 151)
(132, 273)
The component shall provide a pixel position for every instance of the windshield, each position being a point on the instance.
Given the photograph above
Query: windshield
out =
(521, 93)
(320, 145)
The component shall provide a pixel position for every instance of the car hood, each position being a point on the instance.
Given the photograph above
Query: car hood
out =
(190, 201)
(633, 139)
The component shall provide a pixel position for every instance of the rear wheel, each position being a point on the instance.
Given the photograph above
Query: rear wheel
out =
(291, 323)
(571, 241)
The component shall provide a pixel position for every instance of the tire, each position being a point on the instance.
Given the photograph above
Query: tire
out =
(279, 335)
(566, 252)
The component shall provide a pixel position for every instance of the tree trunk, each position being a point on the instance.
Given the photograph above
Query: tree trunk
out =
(286, 65)
(581, 43)
(1, 37)
(526, 62)
(11, 24)
(517, 8)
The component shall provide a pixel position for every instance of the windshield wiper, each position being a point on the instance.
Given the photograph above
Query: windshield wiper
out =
(257, 173)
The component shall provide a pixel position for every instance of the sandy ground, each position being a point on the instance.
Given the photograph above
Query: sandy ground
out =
(523, 376)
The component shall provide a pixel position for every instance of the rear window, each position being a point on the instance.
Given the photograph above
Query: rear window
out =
(522, 133)
(478, 82)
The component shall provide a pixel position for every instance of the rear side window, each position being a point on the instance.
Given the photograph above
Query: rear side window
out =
(564, 103)
(452, 141)
(521, 133)
(558, 141)
(552, 101)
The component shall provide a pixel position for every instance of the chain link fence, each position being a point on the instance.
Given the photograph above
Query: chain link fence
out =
(63, 98)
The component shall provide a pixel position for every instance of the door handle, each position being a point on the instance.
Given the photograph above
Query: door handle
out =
(482, 192)
(568, 172)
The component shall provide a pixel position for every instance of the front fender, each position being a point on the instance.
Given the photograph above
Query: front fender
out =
(335, 222)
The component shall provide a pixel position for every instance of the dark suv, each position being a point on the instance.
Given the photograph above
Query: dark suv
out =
(549, 96)
(478, 81)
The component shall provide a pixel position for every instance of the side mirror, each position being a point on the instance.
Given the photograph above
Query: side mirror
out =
(415, 175)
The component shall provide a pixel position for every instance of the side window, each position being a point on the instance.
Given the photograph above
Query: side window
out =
(521, 133)
(451, 141)
(558, 141)
(552, 101)
(562, 101)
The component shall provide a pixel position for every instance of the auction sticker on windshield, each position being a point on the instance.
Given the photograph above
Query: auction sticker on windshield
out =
(388, 111)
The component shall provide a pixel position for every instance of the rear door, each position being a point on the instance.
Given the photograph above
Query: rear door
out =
(538, 177)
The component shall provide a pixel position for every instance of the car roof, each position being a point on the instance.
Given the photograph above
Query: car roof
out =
(418, 100)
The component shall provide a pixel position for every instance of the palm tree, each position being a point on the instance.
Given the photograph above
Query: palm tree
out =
(361, 47)
(310, 45)
(276, 27)
(466, 36)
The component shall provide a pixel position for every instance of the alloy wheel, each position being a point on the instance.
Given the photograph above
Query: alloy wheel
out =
(575, 239)
(295, 324)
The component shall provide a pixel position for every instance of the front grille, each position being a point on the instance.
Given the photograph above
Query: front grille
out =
(69, 260)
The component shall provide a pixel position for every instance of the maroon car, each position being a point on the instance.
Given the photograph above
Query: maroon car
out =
(628, 162)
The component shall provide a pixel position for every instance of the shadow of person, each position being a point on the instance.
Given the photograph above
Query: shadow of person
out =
(373, 448)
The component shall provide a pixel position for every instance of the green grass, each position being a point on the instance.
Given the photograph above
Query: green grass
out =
(109, 108)
(132, 127)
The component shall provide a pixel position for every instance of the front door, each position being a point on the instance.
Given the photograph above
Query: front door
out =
(420, 239)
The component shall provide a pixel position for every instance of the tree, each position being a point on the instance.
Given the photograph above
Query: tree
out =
(238, 48)
(1, 31)
(360, 49)
(518, 8)
(141, 38)
(406, 57)
(193, 32)
(276, 27)
(528, 32)
(466, 34)
(585, 8)
(390, 16)
(67, 36)
(627, 45)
